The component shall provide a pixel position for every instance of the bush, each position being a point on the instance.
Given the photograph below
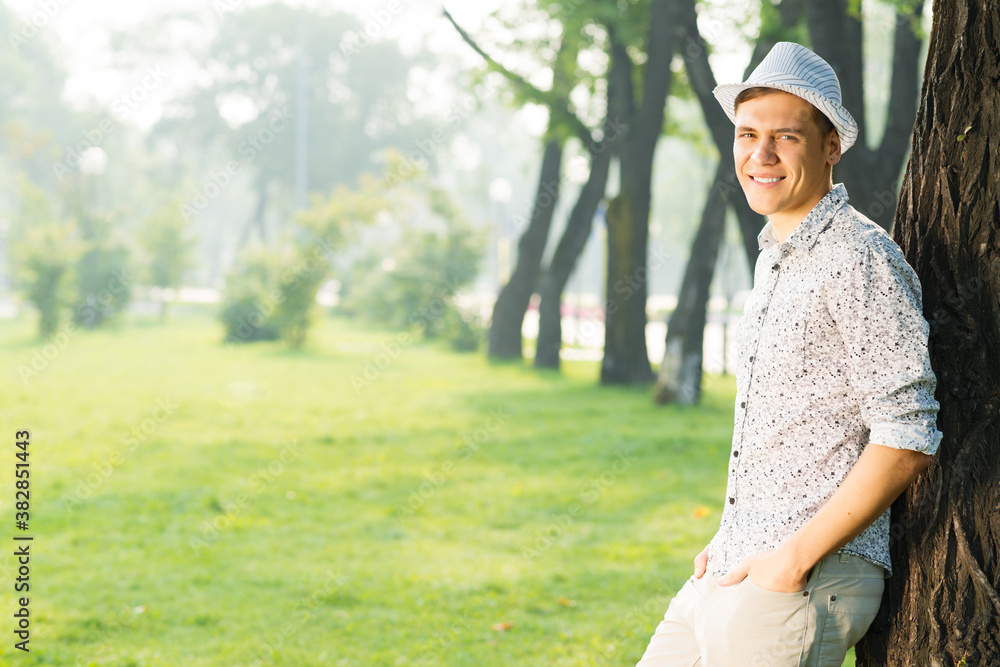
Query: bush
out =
(104, 286)
(272, 295)
(298, 283)
(465, 332)
(416, 287)
(247, 304)
(44, 250)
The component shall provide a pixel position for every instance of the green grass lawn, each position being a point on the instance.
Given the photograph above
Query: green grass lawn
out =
(195, 504)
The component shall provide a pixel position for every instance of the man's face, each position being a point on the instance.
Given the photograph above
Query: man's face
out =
(782, 159)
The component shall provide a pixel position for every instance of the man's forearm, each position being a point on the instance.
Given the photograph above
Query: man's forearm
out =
(876, 480)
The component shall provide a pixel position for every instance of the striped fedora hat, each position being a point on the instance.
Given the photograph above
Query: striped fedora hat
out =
(797, 70)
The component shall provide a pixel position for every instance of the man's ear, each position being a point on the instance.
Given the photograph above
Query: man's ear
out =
(833, 147)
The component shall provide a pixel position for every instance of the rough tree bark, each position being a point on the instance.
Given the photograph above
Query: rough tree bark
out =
(942, 604)
(870, 174)
(626, 359)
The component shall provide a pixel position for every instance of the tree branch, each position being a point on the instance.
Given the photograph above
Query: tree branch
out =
(695, 54)
(558, 106)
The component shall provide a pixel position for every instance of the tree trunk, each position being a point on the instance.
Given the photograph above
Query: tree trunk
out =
(581, 220)
(870, 175)
(679, 379)
(513, 300)
(941, 606)
(567, 253)
(626, 360)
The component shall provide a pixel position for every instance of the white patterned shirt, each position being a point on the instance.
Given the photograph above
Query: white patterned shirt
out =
(832, 355)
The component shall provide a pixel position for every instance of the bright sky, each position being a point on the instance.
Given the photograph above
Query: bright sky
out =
(79, 31)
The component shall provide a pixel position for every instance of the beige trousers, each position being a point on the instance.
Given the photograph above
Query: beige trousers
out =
(744, 625)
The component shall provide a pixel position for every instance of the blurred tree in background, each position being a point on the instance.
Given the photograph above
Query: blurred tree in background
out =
(272, 294)
(248, 296)
(168, 245)
(283, 99)
(271, 291)
(412, 280)
(44, 250)
(104, 277)
(32, 122)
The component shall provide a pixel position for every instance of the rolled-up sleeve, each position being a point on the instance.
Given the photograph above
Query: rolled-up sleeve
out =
(877, 308)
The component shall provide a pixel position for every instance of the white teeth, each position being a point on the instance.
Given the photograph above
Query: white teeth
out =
(765, 180)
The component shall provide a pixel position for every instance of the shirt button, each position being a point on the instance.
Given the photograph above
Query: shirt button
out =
(732, 501)
(743, 404)
(751, 357)
(774, 267)
(736, 453)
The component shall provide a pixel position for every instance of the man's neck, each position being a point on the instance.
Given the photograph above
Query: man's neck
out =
(784, 225)
(784, 228)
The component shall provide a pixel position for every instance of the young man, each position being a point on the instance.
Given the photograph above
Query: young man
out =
(835, 411)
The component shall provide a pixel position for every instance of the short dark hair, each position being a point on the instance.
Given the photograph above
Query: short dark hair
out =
(822, 122)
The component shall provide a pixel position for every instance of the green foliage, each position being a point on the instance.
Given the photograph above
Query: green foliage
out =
(298, 284)
(249, 297)
(44, 250)
(272, 294)
(414, 284)
(104, 282)
(168, 245)
(341, 214)
(465, 331)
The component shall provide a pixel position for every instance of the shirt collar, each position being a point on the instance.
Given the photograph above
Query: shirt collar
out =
(805, 235)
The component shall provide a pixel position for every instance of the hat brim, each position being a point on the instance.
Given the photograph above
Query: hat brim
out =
(841, 118)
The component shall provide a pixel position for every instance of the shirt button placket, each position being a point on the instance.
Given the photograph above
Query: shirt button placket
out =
(743, 404)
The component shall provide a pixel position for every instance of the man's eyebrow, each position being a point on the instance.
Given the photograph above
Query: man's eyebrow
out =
(781, 130)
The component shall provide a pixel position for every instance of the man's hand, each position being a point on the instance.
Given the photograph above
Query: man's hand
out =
(879, 476)
(773, 570)
(701, 563)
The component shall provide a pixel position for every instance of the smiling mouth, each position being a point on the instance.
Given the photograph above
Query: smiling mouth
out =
(758, 179)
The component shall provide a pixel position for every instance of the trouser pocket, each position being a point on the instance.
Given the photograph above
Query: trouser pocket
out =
(752, 626)
(845, 607)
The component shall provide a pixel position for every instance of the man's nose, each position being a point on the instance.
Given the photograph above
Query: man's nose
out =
(764, 152)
